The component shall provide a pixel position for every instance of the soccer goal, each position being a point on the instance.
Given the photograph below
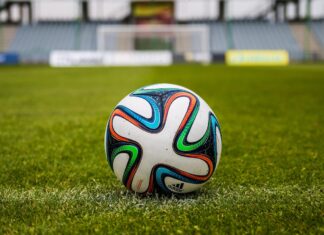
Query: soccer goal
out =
(185, 42)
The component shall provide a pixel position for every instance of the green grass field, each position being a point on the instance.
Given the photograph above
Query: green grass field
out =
(54, 177)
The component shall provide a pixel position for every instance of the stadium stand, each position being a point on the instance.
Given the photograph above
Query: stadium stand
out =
(254, 35)
(267, 36)
(318, 29)
(33, 33)
(7, 35)
(307, 40)
(34, 42)
(219, 42)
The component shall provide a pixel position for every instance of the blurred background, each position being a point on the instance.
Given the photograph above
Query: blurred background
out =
(86, 32)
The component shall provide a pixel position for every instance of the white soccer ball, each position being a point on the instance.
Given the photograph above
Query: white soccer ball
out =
(163, 138)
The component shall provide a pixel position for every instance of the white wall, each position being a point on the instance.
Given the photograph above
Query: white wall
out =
(246, 8)
(196, 9)
(99, 9)
(53, 10)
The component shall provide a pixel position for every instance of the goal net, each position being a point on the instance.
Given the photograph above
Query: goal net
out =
(185, 42)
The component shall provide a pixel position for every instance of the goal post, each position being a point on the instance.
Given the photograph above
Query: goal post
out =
(189, 42)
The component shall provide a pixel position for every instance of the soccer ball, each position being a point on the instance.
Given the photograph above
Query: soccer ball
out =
(163, 138)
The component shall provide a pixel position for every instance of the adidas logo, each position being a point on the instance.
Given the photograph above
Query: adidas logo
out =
(176, 187)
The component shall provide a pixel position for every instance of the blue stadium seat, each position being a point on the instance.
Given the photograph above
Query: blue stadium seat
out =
(255, 36)
(318, 29)
(219, 42)
(34, 42)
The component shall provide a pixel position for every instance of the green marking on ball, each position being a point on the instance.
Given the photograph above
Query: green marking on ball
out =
(181, 145)
(132, 151)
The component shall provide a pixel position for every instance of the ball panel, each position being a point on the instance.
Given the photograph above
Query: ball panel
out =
(137, 105)
(219, 145)
(119, 165)
(128, 130)
(142, 177)
(200, 124)
(178, 186)
(152, 123)
(162, 172)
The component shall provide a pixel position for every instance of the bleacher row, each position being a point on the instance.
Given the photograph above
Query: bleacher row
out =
(318, 29)
(34, 42)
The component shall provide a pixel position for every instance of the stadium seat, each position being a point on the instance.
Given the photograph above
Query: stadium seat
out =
(218, 38)
(318, 29)
(34, 42)
(265, 36)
